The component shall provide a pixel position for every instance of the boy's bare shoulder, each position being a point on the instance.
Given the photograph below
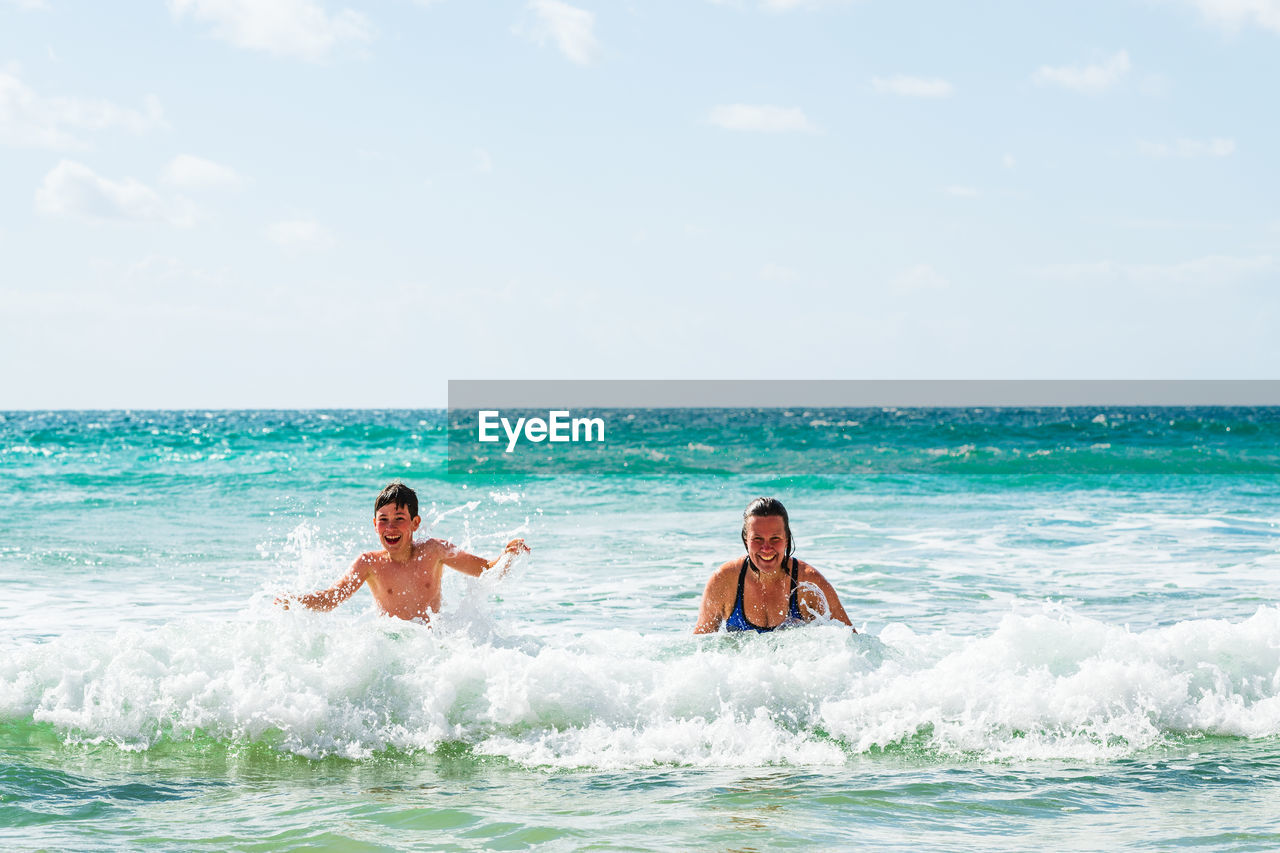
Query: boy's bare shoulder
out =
(433, 549)
(367, 563)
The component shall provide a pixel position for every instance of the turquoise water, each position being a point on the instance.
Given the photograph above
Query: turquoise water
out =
(1069, 635)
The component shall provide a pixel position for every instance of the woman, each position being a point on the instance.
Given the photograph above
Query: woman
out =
(768, 588)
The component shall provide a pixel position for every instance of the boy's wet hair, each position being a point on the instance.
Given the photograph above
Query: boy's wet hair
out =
(765, 508)
(398, 494)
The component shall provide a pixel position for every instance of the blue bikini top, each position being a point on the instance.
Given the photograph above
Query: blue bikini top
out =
(738, 620)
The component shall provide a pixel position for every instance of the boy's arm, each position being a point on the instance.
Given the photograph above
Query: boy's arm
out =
(469, 564)
(327, 599)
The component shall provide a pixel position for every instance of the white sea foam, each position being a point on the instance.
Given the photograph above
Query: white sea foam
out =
(1052, 684)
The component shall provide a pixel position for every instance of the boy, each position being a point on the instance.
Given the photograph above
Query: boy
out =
(405, 576)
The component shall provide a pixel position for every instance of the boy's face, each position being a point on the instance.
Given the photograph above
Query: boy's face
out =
(394, 525)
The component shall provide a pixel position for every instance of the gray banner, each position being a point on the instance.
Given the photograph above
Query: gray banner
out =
(841, 428)
(841, 393)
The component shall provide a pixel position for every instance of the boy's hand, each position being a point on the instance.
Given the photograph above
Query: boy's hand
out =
(514, 548)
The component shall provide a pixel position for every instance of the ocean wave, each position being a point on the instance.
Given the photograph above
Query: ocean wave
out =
(845, 444)
(1048, 685)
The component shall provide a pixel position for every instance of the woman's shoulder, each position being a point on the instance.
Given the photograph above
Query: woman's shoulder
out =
(726, 570)
(806, 572)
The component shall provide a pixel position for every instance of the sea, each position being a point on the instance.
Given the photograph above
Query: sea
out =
(1068, 635)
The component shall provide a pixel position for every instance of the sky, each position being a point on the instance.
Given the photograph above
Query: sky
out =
(336, 203)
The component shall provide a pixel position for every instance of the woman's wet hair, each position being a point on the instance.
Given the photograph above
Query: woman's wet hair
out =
(766, 508)
(398, 494)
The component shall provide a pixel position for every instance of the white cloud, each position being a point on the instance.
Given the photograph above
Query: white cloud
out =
(190, 172)
(28, 119)
(1234, 14)
(920, 277)
(74, 190)
(760, 117)
(912, 87)
(28, 5)
(295, 28)
(484, 163)
(961, 191)
(1087, 78)
(298, 233)
(1187, 148)
(571, 28)
(1009, 161)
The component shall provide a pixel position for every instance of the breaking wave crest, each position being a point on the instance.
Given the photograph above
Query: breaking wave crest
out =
(1044, 685)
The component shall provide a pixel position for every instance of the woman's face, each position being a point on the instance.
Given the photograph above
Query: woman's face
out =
(766, 541)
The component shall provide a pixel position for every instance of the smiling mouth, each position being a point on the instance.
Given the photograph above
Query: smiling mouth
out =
(391, 539)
